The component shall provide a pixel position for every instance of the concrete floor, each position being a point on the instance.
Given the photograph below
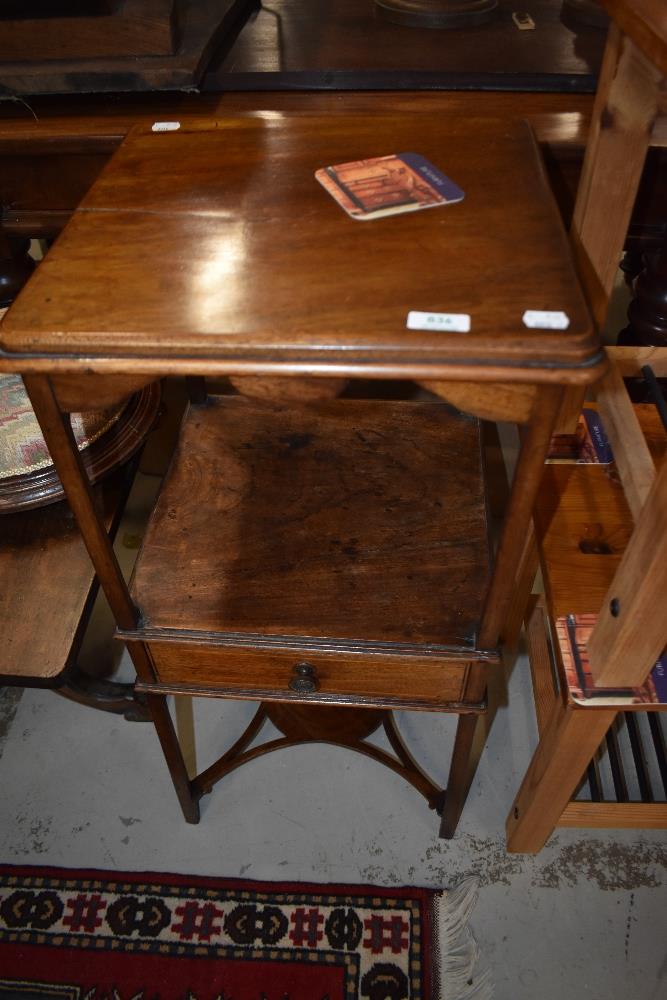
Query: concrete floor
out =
(583, 919)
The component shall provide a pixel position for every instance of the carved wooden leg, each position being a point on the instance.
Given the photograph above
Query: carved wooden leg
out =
(57, 431)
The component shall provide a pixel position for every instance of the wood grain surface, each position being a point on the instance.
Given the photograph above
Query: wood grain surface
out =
(134, 28)
(624, 114)
(346, 519)
(632, 456)
(645, 22)
(617, 815)
(232, 206)
(631, 632)
(46, 581)
(584, 523)
(567, 745)
(200, 24)
(384, 680)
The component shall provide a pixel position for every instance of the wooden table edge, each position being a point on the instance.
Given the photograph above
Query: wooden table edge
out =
(579, 373)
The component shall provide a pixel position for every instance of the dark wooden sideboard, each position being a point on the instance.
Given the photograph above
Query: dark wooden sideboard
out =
(307, 44)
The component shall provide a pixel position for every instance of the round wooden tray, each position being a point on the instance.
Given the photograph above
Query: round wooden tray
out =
(438, 13)
(124, 433)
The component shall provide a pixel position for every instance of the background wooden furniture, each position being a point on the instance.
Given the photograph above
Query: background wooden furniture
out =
(348, 45)
(584, 525)
(630, 632)
(122, 28)
(48, 582)
(231, 207)
(47, 595)
(319, 44)
(133, 45)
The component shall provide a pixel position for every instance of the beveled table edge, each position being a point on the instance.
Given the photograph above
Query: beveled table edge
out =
(297, 364)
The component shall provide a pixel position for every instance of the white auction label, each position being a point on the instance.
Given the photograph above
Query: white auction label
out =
(456, 322)
(541, 319)
(165, 126)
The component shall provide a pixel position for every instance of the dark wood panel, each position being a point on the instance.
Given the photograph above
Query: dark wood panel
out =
(129, 28)
(203, 25)
(49, 184)
(345, 44)
(356, 520)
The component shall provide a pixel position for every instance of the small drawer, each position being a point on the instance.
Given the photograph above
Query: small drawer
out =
(395, 681)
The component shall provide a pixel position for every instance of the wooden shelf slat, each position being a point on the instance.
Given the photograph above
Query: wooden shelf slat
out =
(620, 815)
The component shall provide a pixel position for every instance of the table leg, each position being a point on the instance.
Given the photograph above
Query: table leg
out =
(57, 431)
(527, 477)
(471, 731)
(570, 409)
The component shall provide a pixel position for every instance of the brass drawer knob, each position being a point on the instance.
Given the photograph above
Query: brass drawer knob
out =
(305, 679)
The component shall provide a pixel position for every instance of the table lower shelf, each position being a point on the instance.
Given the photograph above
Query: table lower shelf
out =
(335, 552)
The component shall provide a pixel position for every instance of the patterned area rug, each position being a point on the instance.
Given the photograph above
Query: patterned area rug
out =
(91, 935)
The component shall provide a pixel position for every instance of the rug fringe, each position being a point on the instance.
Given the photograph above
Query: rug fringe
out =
(457, 952)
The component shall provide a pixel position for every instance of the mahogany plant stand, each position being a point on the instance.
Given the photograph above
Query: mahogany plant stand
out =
(328, 558)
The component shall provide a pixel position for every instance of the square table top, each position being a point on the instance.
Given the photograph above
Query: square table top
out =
(215, 243)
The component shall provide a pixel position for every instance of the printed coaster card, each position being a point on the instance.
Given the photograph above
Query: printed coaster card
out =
(388, 185)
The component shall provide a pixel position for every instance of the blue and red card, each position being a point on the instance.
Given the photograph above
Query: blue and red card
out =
(388, 185)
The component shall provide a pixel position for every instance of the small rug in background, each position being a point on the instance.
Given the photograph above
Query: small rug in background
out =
(93, 935)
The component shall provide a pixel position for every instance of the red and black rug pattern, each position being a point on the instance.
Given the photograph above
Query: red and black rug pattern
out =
(89, 935)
